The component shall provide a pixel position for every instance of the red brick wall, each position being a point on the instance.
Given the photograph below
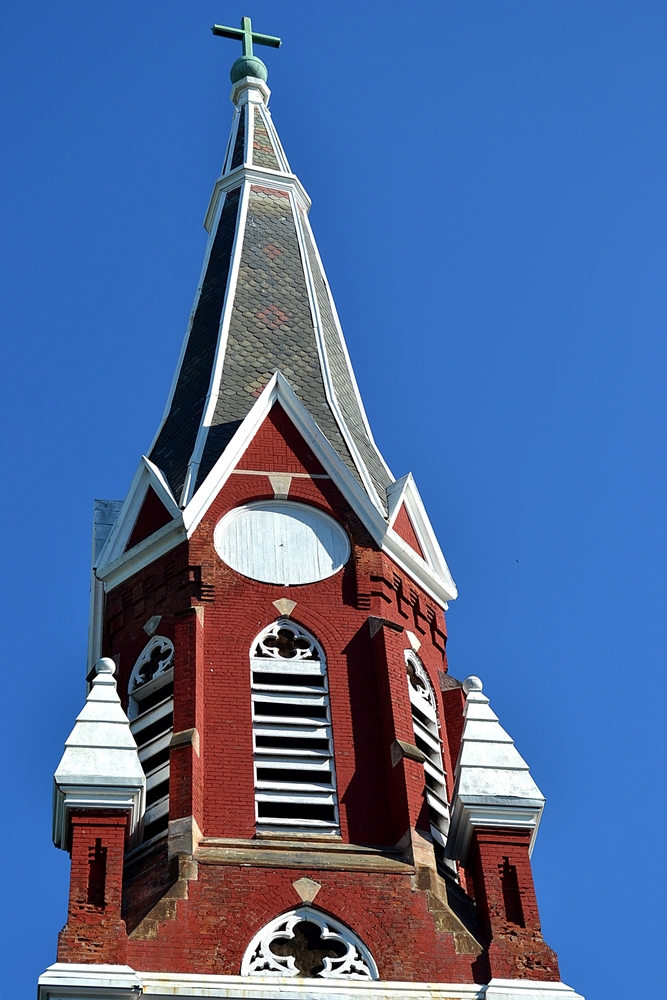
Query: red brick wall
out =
(228, 905)
(506, 900)
(212, 614)
(403, 527)
(94, 931)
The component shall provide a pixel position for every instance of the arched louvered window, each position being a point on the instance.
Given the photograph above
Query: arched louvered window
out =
(427, 739)
(151, 714)
(295, 781)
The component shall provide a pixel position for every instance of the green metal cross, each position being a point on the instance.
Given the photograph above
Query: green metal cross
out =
(246, 36)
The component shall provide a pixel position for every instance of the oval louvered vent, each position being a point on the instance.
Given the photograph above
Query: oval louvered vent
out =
(281, 542)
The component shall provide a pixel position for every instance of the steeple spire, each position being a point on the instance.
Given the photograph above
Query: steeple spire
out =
(263, 305)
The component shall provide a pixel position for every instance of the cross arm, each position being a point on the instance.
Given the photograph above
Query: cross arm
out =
(239, 35)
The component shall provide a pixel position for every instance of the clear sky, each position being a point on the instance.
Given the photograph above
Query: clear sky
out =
(488, 185)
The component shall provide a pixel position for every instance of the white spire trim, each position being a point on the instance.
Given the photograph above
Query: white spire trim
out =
(100, 767)
(493, 782)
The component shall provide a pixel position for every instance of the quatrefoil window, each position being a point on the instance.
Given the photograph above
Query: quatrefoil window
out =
(309, 944)
(285, 640)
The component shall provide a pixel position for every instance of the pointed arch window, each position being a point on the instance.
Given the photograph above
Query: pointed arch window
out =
(295, 780)
(151, 714)
(309, 943)
(427, 739)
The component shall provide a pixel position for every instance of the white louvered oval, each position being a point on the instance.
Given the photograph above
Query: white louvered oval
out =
(281, 542)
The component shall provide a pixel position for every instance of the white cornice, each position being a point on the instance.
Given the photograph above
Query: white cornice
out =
(262, 176)
(100, 766)
(90, 982)
(249, 90)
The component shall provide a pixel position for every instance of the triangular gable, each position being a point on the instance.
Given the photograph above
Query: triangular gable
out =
(279, 390)
(430, 572)
(403, 495)
(403, 526)
(147, 478)
(152, 516)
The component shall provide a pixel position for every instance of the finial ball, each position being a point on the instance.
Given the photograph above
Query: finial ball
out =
(248, 66)
(472, 683)
(105, 666)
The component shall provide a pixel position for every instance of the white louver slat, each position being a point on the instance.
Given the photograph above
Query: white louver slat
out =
(427, 738)
(295, 787)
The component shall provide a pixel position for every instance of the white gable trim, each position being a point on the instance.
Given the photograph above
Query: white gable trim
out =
(435, 579)
(113, 554)
(279, 390)
(404, 492)
(115, 565)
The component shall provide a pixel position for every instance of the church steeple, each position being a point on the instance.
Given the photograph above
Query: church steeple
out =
(264, 305)
(281, 796)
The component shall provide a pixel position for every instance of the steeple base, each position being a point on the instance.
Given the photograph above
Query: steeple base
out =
(120, 981)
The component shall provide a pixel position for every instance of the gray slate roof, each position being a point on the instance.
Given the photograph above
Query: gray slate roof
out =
(273, 324)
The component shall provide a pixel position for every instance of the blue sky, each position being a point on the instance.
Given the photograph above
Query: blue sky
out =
(488, 184)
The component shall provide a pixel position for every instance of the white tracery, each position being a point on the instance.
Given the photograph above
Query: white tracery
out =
(311, 944)
(427, 739)
(295, 782)
(155, 659)
(151, 711)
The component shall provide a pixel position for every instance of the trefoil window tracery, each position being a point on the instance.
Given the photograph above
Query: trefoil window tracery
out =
(309, 944)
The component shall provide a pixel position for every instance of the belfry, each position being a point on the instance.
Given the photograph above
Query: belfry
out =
(275, 787)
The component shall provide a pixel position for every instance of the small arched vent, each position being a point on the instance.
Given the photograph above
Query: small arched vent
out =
(151, 713)
(295, 783)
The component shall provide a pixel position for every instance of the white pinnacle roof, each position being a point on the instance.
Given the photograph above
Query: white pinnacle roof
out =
(494, 786)
(100, 768)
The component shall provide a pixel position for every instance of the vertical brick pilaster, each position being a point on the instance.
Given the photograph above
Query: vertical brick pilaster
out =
(95, 932)
(406, 777)
(507, 905)
(453, 700)
(186, 774)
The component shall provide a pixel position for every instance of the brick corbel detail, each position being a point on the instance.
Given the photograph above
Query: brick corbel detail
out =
(186, 778)
(507, 905)
(95, 932)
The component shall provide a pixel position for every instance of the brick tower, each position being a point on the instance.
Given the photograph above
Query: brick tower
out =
(275, 788)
